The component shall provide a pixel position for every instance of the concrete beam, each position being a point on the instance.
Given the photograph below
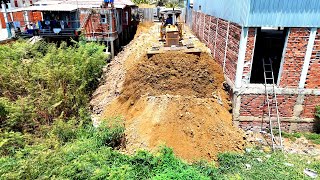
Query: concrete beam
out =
(260, 89)
(241, 56)
(307, 58)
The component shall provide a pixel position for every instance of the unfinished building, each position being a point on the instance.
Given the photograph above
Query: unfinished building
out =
(267, 48)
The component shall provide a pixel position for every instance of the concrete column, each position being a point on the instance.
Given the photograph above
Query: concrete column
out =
(12, 4)
(215, 42)
(307, 58)
(241, 56)
(112, 49)
(226, 48)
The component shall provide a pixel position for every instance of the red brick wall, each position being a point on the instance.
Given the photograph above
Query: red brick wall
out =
(18, 16)
(294, 57)
(94, 25)
(313, 76)
(221, 41)
(254, 105)
(36, 16)
(201, 25)
(232, 50)
(207, 27)
(3, 23)
(249, 54)
(212, 32)
(309, 106)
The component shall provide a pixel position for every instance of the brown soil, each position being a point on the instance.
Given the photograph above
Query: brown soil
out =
(177, 100)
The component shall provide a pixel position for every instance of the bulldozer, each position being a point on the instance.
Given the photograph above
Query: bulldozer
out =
(171, 35)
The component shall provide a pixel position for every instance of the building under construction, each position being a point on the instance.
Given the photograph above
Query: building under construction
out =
(270, 54)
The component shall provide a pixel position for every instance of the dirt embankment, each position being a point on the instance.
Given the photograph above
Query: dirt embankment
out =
(177, 100)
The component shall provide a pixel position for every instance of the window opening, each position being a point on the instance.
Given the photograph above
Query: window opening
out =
(269, 44)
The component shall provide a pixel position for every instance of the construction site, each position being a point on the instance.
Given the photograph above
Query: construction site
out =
(171, 91)
(196, 78)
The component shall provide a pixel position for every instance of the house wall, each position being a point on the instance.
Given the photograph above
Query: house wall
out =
(250, 111)
(222, 37)
(296, 105)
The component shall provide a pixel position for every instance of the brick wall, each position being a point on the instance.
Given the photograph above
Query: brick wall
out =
(3, 23)
(285, 126)
(18, 16)
(309, 106)
(294, 57)
(232, 50)
(221, 41)
(254, 105)
(214, 33)
(249, 55)
(313, 81)
(36, 16)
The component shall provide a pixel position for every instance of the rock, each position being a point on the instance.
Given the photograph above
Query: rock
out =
(288, 164)
(310, 173)
(248, 166)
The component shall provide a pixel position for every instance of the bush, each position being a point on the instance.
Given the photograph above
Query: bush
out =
(40, 83)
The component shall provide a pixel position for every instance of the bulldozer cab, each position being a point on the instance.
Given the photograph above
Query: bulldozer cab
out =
(171, 15)
(171, 30)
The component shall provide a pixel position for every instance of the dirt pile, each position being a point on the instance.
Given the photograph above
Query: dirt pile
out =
(176, 100)
(114, 72)
(175, 74)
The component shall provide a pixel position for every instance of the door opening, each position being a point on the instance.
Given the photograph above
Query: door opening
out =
(269, 45)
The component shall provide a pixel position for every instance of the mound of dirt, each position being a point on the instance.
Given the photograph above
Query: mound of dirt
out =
(177, 100)
(175, 74)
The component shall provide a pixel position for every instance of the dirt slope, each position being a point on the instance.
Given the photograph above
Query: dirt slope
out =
(176, 99)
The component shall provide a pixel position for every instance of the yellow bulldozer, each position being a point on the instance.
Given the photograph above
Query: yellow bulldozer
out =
(171, 34)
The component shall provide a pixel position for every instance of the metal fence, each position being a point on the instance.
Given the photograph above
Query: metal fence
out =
(146, 14)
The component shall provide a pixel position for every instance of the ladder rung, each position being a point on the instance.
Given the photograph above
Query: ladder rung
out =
(269, 78)
(268, 71)
(267, 64)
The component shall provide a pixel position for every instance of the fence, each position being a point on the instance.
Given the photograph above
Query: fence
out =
(146, 14)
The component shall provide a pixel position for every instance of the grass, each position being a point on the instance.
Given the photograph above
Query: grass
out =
(90, 153)
(313, 137)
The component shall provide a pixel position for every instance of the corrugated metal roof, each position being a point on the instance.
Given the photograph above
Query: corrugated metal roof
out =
(56, 7)
(269, 13)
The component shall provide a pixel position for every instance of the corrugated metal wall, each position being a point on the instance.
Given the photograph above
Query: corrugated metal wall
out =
(233, 10)
(257, 13)
(285, 13)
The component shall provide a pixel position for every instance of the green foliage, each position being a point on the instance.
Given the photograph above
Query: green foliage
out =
(42, 82)
(10, 142)
(315, 138)
(141, 1)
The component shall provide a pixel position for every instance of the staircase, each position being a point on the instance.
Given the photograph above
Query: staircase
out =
(272, 103)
